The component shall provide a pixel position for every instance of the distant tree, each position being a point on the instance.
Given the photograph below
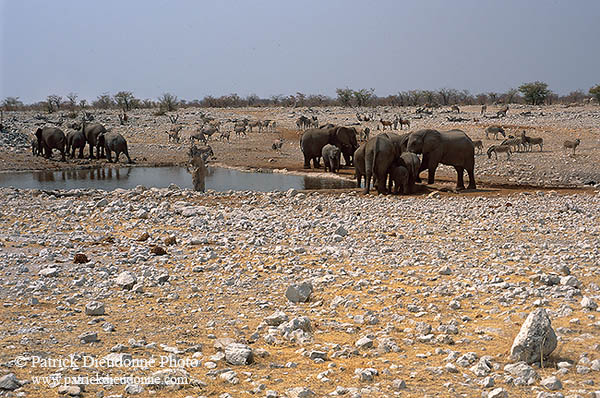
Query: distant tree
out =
(429, 96)
(510, 96)
(252, 99)
(53, 102)
(574, 96)
(82, 104)
(344, 96)
(125, 100)
(72, 97)
(595, 91)
(168, 102)
(104, 101)
(277, 99)
(11, 103)
(493, 96)
(363, 97)
(535, 93)
(415, 97)
(481, 98)
(447, 95)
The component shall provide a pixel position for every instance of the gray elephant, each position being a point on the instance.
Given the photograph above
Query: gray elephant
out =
(452, 148)
(50, 138)
(399, 176)
(35, 147)
(76, 140)
(381, 154)
(313, 141)
(114, 142)
(359, 164)
(331, 158)
(91, 133)
(412, 163)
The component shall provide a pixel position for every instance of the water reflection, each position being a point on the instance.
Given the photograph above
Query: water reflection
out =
(218, 179)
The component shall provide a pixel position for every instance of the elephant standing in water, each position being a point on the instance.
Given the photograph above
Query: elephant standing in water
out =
(381, 154)
(452, 148)
(50, 138)
(313, 141)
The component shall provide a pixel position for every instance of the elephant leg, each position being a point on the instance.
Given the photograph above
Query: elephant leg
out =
(108, 155)
(471, 173)
(81, 152)
(306, 162)
(91, 151)
(431, 173)
(367, 183)
(316, 163)
(460, 184)
(126, 152)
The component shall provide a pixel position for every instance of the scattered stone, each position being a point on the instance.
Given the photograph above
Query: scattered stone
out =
(143, 237)
(94, 308)
(9, 382)
(126, 280)
(498, 393)
(49, 272)
(300, 392)
(158, 251)
(588, 304)
(536, 338)
(170, 240)
(72, 391)
(552, 383)
(276, 319)
(299, 293)
(88, 337)
(80, 258)
(238, 354)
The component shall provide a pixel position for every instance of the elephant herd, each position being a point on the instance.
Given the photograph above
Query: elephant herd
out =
(391, 157)
(95, 135)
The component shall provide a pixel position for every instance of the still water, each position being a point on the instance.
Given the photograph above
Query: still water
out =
(218, 179)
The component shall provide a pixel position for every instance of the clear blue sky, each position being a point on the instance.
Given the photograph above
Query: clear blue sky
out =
(198, 48)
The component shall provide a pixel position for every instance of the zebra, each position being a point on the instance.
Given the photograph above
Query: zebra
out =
(499, 148)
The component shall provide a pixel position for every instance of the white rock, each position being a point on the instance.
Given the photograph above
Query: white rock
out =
(299, 293)
(535, 334)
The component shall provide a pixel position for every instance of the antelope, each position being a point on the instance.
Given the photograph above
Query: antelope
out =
(277, 144)
(404, 122)
(571, 144)
(385, 123)
(478, 146)
(483, 109)
(314, 123)
(499, 148)
(174, 133)
(455, 108)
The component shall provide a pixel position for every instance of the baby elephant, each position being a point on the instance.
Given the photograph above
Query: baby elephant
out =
(114, 142)
(331, 157)
(399, 176)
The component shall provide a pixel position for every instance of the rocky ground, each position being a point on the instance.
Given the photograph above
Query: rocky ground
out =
(302, 294)
(405, 296)
(149, 144)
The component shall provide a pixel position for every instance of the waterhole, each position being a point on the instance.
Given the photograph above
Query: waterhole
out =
(218, 179)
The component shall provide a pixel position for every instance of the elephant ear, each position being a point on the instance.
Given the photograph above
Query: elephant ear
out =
(38, 132)
(431, 141)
